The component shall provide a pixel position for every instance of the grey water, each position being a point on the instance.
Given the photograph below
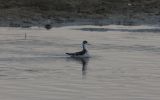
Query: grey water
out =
(124, 63)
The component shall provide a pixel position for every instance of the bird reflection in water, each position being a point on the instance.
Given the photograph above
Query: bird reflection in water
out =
(83, 61)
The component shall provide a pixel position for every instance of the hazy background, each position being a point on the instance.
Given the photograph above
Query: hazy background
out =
(36, 12)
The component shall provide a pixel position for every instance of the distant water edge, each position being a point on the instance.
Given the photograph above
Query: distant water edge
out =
(59, 22)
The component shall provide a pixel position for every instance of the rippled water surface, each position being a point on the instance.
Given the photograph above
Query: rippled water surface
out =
(124, 63)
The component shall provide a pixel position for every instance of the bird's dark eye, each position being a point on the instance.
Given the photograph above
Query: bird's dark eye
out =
(85, 42)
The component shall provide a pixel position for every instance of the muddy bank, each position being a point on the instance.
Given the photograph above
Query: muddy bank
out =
(60, 21)
(22, 13)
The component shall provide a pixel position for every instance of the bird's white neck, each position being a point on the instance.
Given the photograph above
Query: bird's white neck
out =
(84, 47)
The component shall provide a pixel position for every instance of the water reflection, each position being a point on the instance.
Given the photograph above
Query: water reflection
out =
(83, 61)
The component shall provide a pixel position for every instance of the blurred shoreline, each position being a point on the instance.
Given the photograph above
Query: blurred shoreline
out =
(58, 22)
(28, 13)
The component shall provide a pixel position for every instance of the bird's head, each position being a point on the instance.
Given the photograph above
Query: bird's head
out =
(84, 42)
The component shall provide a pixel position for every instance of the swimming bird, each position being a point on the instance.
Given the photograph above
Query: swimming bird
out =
(82, 53)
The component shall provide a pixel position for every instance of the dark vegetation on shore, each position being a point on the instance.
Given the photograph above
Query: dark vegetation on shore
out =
(77, 8)
(46, 9)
